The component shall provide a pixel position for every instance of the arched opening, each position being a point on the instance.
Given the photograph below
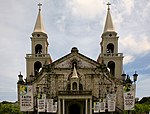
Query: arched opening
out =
(74, 86)
(37, 66)
(111, 66)
(38, 49)
(74, 109)
(110, 48)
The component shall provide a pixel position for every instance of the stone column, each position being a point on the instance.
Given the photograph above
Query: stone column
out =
(59, 107)
(86, 106)
(63, 106)
(90, 105)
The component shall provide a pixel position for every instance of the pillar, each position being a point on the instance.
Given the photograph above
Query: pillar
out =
(86, 106)
(91, 106)
(59, 107)
(63, 106)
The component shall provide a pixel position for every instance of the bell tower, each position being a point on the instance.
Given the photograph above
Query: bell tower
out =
(109, 48)
(39, 48)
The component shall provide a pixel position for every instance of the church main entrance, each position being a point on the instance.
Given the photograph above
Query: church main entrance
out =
(75, 108)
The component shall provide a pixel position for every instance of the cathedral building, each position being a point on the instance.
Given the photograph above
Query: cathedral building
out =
(73, 84)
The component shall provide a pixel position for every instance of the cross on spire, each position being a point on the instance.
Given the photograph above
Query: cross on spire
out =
(39, 5)
(108, 5)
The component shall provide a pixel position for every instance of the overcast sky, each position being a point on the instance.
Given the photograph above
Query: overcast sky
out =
(70, 23)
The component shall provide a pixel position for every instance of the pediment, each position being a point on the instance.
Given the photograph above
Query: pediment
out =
(75, 57)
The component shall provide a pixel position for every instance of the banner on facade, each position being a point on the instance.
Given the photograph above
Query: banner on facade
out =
(102, 106)
(26, 98)
(111, 101)
(49, 105)
(96, 107)
(41, 102)
(129, 97)
(55, 107)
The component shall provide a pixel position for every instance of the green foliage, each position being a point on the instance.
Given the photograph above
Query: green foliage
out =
(9, 108)
(140, 109)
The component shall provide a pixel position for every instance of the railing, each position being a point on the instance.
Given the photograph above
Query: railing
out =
(37, 55)
(74, 92)
(112, 54)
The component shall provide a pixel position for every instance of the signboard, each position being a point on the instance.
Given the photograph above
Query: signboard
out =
(102, 106)
(26, 98)
(41, 105)
(49, 105)
(129, 97)
(55, 107)
(96, 107)
(111, 101)
(41, 102)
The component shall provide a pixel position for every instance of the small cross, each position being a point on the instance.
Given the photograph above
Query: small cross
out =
(108, 5)
(39, 6)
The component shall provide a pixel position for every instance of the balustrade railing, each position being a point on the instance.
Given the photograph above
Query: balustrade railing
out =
(74, 92)
(37, 55)
(112, 54)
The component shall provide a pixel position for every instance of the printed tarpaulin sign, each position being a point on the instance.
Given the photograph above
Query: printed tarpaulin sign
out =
(41, 105)
(96, 107)
(49, 105)
(111, 101)
(41, 102)
(26, 98)
(55, 107)
(129, 97)
(102, 106)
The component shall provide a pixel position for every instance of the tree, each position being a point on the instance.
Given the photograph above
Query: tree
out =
(9, 108)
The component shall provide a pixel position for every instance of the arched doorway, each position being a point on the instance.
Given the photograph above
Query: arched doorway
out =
(74, 108)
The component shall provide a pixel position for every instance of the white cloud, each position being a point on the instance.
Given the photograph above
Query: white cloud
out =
(146, 10)
(135, 45)
(117, 19)
(129, 5)
(86, 8)
(128, 59)
(143, 86)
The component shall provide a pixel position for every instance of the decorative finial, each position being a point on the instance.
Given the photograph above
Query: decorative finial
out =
(39, 5)
(108, 5)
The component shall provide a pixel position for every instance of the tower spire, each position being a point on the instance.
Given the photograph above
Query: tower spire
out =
(39, 26)
(109, 23)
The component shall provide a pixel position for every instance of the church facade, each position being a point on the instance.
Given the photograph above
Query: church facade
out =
(74, 83)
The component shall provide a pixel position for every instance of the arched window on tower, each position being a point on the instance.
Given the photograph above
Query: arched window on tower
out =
(37, 66)
(110, 48)
(38, 49)
(111, 66)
